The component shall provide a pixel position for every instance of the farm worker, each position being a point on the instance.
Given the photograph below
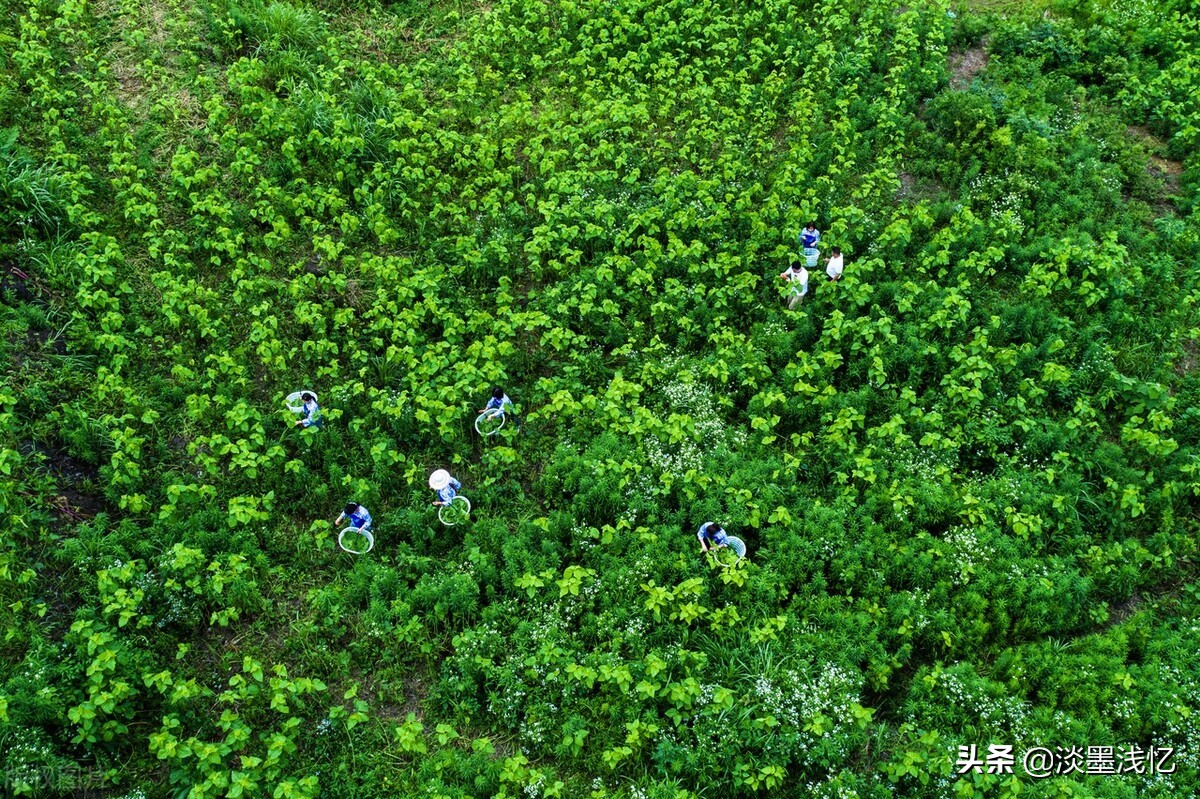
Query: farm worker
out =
(312, 412)
(810, 237)
(445, 486)
(833, 267)
(357, 515)
(500, 400)
(711, 531)
(797, 277)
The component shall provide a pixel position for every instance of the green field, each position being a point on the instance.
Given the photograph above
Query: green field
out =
(967, 474)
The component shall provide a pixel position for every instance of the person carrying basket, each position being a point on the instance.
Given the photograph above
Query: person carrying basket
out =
(809, 238)
(452, 506)
(497, 407)
(358, 524)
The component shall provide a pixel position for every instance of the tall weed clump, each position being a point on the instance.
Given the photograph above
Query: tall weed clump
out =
(279, 25)
(288, 38)
(32, 196)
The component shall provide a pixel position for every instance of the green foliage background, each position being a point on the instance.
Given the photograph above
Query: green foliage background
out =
(967, 475)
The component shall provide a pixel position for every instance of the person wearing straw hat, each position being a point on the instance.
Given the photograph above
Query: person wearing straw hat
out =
(357, 514)
(445, 486)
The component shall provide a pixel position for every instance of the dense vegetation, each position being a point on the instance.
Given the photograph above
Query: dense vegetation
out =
(967, 474)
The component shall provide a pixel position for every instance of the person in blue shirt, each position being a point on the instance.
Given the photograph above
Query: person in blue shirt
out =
(712, 533)
(312, 412)
(810, 237)
(445, 486)
(357, 515)
(500, 400)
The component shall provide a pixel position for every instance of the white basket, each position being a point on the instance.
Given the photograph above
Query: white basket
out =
(485, 418)
(364, 533)
(294, 402)
(458, 499)
(734, 545)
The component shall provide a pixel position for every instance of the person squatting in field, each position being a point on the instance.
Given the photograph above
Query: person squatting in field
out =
(445, 486)
(711, 532)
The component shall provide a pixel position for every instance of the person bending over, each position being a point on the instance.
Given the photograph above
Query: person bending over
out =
(357, 514)
(710, 533)
(501, 401)
(444, 486)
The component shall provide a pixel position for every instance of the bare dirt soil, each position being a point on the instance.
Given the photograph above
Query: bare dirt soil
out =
(966, 64)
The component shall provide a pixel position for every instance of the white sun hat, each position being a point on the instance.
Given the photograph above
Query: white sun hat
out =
(439, 479)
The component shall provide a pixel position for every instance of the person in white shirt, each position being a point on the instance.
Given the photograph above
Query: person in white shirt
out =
(797, 277)
(833, 267)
